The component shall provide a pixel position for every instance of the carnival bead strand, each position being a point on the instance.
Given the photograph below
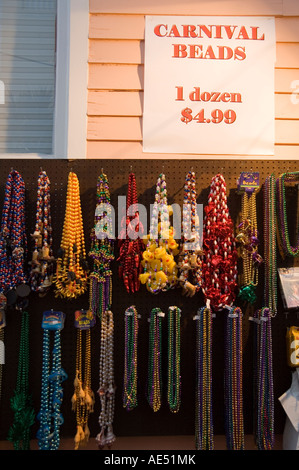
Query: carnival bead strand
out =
(13, 238)
(233, 380)
(53, 375)
(106, 389)
(131, 245)
(189, 263)
(270, 247)
(101, 251)
(42, 263)
(219, 266)
(71, 269)
(204, 429)
(287, 249)
(247, 238)
(160, 270)
(154, 385)
(219, 287)
(21, 401)
(174, 359)
(264, 430)
(83, 398)
(264, 396)
(130, 399)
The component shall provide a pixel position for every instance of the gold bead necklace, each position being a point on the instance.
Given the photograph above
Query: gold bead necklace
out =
(83, 398)
(71, 269)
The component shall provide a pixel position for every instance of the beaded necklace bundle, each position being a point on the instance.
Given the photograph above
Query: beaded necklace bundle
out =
(13, 239)
(263, 326)
(282, 221)
(83, 397)
(131, 245)
(106, 390)
(101, 251)
(219, 288)
(53, 375)
(204, 432)
(160, 270)
(174, 359)
(71, 269)
(247, 238)
(154, 386)
(233, 380)
(3, 303)
(21, 402)
(189, 263)
(42, 268)
(219, 265)
(130, 400)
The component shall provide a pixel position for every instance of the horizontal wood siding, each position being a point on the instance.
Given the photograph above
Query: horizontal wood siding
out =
(116, 71)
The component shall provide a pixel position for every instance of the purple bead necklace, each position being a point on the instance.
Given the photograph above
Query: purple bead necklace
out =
(263, 328)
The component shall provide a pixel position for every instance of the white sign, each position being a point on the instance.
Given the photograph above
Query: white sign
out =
(209, 85)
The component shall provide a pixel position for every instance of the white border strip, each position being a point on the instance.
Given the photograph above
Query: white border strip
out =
(70, 116)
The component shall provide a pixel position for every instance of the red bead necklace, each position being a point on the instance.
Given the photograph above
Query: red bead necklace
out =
(219, 265)
(131, 245)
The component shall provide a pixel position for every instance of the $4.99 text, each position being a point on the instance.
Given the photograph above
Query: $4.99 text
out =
(216, 116)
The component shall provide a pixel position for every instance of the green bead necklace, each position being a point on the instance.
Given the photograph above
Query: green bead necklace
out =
(283, 230)
(130, 400)
(154, 387)
(21, 402)
(174, 359)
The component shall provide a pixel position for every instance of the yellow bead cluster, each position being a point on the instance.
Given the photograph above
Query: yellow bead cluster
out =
(71, 271)
(160, 268)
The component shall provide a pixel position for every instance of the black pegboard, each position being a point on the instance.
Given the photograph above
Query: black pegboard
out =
(142, 420)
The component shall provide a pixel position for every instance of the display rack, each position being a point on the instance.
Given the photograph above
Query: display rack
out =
(142, 420)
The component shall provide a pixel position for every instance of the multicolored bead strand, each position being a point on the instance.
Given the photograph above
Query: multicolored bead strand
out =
(154, 386)
(270, 250)
(71, 268)
(106, 390)
(83, 397)
(234, 380)
(265, 438)
(13, 239)
(53, 375)
(263, 326)
(3, 305)
(131, 245)
(101, 251)
(248, 241)
(204, 431)
(174, 359)
(189, 264)
(219, 287)
(160, 270)
(282, 220)
(130, 400)
(42, 263)
(21, 402)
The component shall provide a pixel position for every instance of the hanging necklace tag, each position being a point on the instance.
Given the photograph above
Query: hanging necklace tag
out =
(84, 319)
(161, 314)
(248, 181)
(53, 320)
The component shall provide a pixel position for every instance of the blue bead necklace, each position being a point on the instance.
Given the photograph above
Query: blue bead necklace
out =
(13, 240)
(53, 376)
